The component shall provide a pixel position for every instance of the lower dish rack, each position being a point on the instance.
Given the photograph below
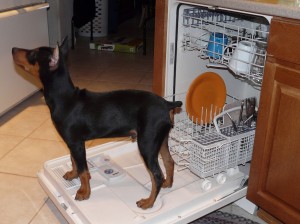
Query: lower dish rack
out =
(209, 150)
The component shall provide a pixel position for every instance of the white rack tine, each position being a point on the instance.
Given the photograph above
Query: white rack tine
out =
(206, 114)
(202, 112)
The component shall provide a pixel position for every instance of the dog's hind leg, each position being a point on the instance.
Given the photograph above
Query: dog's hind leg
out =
(168, 163)
(78, 156)
(149, 143)
(156, 180)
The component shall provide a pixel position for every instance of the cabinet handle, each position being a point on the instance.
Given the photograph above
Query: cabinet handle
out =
(22, 10)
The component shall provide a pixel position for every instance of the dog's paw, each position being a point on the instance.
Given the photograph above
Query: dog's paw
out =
(167, 184)
(145, 203)
(82, 194)
(70, 175)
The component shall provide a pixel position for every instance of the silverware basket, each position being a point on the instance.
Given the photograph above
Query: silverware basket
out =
(221, 149)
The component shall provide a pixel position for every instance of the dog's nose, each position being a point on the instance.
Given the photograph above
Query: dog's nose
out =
(14, 50)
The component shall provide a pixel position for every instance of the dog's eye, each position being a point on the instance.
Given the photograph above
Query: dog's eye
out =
(32, 57)
(33, 54)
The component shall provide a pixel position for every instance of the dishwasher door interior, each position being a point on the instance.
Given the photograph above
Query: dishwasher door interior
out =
(114, 194)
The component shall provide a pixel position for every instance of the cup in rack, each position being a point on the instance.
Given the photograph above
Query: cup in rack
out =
(240, 61)
(259, 62)
(199, 37)
(259, 58)
(217, 42)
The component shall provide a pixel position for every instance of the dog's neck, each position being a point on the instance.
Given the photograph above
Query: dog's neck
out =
(58, 86)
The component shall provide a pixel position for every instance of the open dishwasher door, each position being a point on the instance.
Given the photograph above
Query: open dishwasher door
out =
(119, 179)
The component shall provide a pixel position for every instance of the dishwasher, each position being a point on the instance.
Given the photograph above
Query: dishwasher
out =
(215, 62)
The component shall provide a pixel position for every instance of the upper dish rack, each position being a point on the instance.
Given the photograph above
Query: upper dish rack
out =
(227, 40)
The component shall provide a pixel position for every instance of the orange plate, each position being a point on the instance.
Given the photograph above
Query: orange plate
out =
(205, 97)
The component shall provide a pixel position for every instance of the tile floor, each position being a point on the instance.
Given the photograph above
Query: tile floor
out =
(28, 137)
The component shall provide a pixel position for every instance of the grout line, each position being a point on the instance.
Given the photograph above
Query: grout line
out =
(18, 175)
(38, 211)
(13, 148)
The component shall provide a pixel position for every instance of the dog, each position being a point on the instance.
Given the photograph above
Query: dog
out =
(80, 115)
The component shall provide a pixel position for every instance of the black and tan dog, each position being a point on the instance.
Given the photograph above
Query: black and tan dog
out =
(80, 115)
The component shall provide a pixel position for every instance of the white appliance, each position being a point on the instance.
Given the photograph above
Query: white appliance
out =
(22, 24)
(60, 15)
(211, 159)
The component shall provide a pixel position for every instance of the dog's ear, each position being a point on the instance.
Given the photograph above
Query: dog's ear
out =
(64, 47)
(53, 64)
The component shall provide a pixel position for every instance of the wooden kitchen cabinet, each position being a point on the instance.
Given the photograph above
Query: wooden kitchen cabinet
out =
(160, 39)
(274, 182)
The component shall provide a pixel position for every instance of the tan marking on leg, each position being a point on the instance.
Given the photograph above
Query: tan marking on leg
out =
(133, 135)
(84, 191)
(70, 175)
(148, 202)
(171, 114)
(168, 163)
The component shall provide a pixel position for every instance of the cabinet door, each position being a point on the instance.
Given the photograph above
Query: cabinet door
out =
(160, 40)
(274, 182)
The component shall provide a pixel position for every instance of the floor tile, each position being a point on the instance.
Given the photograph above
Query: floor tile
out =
(46, 131)
(147, 78)
(49, 214)
(34, 103)
(7, 143)
(144, 87)
(85, 72)
(21, 199)
(30, 155)
(81, 83)
(23, 123)
(140, 63)
(121, 76)
(108, 86)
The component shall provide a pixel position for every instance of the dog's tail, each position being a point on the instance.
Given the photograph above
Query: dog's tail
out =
(174, 104)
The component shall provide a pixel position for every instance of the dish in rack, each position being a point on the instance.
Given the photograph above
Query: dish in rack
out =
(205, 98)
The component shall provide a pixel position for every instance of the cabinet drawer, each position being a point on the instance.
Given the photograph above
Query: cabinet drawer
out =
(284, 40)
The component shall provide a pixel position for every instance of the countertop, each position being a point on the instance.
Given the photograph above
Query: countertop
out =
(282, 8)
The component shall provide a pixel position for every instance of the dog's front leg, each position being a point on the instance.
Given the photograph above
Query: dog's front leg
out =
(84, 191)
(70, 175)
(80, 169)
